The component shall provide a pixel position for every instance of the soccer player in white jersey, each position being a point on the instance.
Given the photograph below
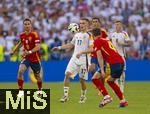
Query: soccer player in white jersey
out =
(81, 41)
(120, 40)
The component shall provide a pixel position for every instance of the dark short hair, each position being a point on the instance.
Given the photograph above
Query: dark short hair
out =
(118, 21)
(27, 19)
(96, 32)
(97, 18)
(86, 19)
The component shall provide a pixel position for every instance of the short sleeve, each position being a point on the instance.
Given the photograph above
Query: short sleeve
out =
(36, 37)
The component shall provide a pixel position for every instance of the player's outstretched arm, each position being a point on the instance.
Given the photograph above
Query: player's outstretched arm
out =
(65, 46)
(18, 46)
(89, 50)
(126, 43)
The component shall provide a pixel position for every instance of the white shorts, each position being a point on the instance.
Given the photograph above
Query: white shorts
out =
(76, 66)
(124, 63)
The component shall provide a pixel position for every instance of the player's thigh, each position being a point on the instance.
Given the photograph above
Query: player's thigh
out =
(23, 66)
(33, 77)
(116, 70)
(97, 75)
(94, 63)
(36, 67)
(93, 67)
(72, 69)
(83, 72)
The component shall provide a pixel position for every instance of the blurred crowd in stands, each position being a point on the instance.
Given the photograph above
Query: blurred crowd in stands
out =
(51, 18)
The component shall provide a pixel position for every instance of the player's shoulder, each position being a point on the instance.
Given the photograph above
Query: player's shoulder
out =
(82, 34)
(125, 34)
(22, 33)
(103, 30)
(99, 39)
(35, 34)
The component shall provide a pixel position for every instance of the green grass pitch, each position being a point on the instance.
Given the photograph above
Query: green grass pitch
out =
(137, 94)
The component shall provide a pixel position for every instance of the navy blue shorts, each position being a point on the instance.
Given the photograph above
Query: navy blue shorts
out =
(116, 70)
(94, 60)
(35, 66)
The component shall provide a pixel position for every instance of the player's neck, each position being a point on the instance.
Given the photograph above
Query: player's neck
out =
(28, 32)
(96, 37)
(118, 31)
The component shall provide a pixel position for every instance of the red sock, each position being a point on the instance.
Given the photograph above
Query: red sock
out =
(20, 84)
(39, 83)
(116, 89)
(100, 85)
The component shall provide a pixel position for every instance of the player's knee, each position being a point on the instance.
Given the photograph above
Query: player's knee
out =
(92, 69)
(67, 75)
(37, 76)
(111, 79)
(20, 73)
(82, 80)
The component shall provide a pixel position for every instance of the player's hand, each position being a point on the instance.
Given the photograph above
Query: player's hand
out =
(11, 52)
(78, 55)
(55, 49)
(25, 53)
(103, 74)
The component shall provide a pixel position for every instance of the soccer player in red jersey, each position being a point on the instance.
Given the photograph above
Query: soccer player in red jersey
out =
(105, 49)
(96, 23)
(30, 41)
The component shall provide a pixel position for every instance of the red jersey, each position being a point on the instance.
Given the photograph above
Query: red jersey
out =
(103, 35)
(108, 51)
(29, 41)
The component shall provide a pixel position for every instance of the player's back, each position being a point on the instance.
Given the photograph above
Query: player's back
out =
(108, 51)
(103, 35)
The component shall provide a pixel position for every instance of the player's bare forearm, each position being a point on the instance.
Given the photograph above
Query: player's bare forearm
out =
(67, 46)
(18, 46)
(89, 50)
(36, 48)
(126, 43)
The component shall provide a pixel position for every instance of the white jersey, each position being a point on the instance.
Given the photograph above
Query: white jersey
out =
(82, 41)
(118, 39)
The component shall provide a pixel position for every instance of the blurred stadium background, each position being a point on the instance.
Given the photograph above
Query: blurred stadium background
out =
(51, 18)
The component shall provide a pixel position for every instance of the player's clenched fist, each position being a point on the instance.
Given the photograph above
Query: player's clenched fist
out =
(56, 48)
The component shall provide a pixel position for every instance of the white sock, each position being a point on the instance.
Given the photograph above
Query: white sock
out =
(66, 91)
(122, 82)
(123, 100)
(106, 96)
(83, 92)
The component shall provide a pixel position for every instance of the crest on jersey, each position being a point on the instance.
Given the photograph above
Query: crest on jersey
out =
(26, 41)
(30, 38)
